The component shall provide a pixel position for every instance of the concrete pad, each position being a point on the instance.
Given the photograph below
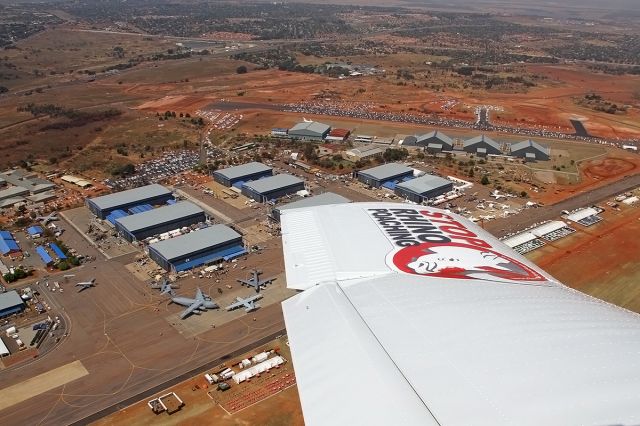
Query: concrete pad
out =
(41, 383)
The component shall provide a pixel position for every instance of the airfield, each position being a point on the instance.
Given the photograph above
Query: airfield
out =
(123, 338)
(203, 403)
(124, 343)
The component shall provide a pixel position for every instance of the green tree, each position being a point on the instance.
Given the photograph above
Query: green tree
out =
(485, 180)
(241, 69)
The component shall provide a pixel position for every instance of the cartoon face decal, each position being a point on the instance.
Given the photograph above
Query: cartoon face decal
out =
(461, 261)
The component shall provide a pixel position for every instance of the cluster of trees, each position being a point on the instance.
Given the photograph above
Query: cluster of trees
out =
(196, 121)
(18, 273)
(123, 170)
(395, 154)
(597, 103)
(20, 22)
(262, 20)
(619, 49)
(75, 117)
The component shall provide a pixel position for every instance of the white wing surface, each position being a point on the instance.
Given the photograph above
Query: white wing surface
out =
(414, 316)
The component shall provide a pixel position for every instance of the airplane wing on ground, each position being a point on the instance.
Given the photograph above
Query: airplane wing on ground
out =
(193, 308)
(199, 295)
(235, 305)
(414, 316)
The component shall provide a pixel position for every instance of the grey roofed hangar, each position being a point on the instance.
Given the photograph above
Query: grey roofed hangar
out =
(273, 183)
(195, 241)
(424, 184)
(102, 206)
(312, 126)
(159, 216)
(242, 170)
(387, 171)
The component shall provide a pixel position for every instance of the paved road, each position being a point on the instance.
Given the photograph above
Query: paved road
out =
(503, 226)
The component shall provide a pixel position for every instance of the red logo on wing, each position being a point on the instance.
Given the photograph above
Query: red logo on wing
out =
(462, 261)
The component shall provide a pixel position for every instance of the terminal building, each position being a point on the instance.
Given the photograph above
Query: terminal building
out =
(316, 200)
(10, 303)
(423, 188)
(433, 142)
(309, 131)
(482, 146)
(530, 151)
(385, 175)
(156, 221)
(272, 188)
(149, 194)
(197, 248)
(238, 175)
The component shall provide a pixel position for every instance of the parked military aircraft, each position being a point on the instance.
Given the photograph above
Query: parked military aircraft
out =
(46, 219)
(255, 281)
(194, 306)
(248, 303)
(86, 284)
(165, 287)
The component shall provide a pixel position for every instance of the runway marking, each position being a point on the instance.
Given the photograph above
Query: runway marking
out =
(41, 383)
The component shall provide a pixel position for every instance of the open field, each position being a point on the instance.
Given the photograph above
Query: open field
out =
(606, 256)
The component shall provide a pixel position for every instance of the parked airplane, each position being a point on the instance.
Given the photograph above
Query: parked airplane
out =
(255, 280)
(86, 284)
(165, 287)
(248, 303)
(194, 306)
(49, 218)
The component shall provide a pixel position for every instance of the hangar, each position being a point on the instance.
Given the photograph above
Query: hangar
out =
(8, 244)
(14, 191)
(156, 221)
(423, 188)
(309, 131)
(197, 248)
(433, 142)
(151, 194)
(482, 145)
(273, 187)
(530, 151)
(363, 153)
(242, 173)
(384, 174)
(316, 200)
(10, 303)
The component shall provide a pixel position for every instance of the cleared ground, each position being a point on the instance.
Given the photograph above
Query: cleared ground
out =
(606, 256)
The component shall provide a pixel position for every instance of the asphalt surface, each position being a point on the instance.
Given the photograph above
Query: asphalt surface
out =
(174, 381)
(119, 331)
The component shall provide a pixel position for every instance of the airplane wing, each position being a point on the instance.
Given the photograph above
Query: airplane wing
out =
(414, 316)
(240, 302)
(252, 298)
(199, 295)
(191, 309)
